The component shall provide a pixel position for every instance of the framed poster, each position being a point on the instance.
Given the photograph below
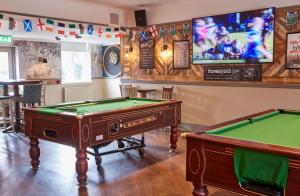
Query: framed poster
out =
(293, 51)
(147, 54)
(181, 54)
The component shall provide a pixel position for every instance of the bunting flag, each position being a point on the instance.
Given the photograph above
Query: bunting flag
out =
(81, 29)
(11, 23)
(143, 36)
(108, 35)
(40, 25)
(49, 25)
(90, 29)
(162, 32)
(61, 28)
(1, 20)
(131, 36)
(173, 30)
(27, 25)
(121, 33)
(153, 31)
(72, 29)
(99, 31)
(186, 29)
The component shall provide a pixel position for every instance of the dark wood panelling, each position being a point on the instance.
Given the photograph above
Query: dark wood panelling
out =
(273, 73)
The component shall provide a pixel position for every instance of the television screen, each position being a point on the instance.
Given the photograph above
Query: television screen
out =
(243, 37)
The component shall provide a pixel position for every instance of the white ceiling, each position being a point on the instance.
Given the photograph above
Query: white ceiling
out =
(132, 4)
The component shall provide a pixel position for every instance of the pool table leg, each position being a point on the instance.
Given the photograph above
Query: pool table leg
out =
(34, 152)
(81, 168)
(173, 138)
(200, 190)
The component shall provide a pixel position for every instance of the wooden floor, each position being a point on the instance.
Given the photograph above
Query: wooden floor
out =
(158, 173)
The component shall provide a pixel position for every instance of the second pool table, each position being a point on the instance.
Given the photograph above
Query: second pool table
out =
(91, 123)
(224, 154)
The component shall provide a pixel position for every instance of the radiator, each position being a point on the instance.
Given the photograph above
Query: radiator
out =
(78, 93)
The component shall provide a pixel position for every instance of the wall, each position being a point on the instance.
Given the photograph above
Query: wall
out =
(206, 104)
(185, 10)
(68, 9)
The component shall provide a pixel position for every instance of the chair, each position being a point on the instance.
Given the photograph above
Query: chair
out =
(128, 90)
(167, 93)
(6, 122)
(32, 95)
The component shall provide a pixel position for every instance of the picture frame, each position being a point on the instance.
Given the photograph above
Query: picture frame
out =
(181, 54)
(292, 58)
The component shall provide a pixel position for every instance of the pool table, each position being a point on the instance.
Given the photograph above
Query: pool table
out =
(90, 123)
(212, 154)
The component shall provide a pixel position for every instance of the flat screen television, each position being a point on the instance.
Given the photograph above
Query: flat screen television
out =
(242, 37)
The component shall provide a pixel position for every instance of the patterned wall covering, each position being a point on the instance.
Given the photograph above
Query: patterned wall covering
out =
(29, 51)
(163, 71)
(96, 60)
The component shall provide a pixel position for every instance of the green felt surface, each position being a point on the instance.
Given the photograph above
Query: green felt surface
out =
(262, 168)
(280, 129)
(98, 106)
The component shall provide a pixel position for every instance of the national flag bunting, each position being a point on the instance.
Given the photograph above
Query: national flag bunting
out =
(108, 35)
(90, 29)
(131, 36)
(173, 30)
(11, 23)
(81, 29)
(27, 25)
(143, 36)
(49, 25)
(40, 25)
(72, 29)
(121, 32)
(153, 31)
(61, 28)
(162, 32)
(1, 18)
(99, 31)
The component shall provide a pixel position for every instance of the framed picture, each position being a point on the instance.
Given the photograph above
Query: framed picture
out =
(181, 55)
(293, 51)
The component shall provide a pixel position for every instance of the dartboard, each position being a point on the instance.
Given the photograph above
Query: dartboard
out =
(111, 61)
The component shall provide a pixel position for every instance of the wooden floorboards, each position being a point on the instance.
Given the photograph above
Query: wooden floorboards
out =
(124, 174)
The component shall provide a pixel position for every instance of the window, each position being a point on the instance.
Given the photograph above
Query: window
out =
(75, 62)
(6, 68)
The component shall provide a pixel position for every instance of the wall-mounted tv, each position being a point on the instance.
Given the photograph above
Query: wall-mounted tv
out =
(242, 37)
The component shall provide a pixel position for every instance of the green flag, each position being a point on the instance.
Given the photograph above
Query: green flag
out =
(108, 29)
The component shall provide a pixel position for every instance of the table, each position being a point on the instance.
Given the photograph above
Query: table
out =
(144, 92)
(211, 154)
(15, 84)
(90, 123)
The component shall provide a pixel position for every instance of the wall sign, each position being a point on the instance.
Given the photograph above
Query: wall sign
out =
(146, 54)
(233, 73)
(181, 54)
(293, 50)
(5, 39)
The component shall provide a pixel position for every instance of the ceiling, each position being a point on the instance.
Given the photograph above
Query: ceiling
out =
(132, 4)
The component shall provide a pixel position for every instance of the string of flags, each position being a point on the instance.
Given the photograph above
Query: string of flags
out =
(59, 28)
(152, 32)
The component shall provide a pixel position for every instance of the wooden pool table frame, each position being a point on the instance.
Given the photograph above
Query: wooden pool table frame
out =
(91, 129)
(209, 160)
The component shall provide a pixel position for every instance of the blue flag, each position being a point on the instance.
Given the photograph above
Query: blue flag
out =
(143, 36)
(27, 25)
(90, 29)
